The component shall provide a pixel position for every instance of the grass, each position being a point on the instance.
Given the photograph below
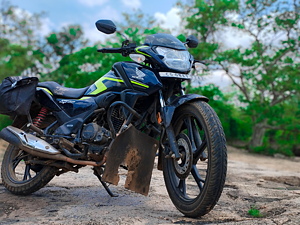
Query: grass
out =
(254, 212)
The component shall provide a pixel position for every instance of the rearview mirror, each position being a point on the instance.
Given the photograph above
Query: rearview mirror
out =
(106, 26)
(192, 41)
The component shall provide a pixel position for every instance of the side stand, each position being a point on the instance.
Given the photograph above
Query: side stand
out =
(97, 172)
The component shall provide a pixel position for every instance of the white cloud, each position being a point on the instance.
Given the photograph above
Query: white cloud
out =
(216, 77)
(90, 29)
(109, 13)
(93, 34)
(170, 20)
(232, 38)
(92, 3)
(135, 4)
(47, 26)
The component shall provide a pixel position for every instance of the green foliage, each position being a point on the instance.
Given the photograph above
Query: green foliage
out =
(235, 123)
(68, 40)
(19, 26)
(14, 58)
(208, 15)
(52, 39)
(83, 67)
(138, 25)
(254, 212)
(268, 70)
(4, 121)
(204, 50)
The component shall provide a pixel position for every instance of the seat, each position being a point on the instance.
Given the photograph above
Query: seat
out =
(59, 91)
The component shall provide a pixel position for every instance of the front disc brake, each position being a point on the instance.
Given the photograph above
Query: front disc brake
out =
(183, 166)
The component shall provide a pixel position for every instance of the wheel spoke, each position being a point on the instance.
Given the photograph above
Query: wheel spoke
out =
(197, 177)
(198, 145)
(18, 159)
(197, 154)
(196, 135)
(188, 123)
(182, 187)
(27, 173)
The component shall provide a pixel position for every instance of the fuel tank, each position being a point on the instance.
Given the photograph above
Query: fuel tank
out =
(126, 75)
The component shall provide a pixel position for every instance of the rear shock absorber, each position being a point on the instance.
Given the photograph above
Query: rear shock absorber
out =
(40, 117)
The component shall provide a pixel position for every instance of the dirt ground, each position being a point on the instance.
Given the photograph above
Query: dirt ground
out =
(269, 184)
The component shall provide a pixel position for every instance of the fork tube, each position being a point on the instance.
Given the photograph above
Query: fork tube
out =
(169, 129)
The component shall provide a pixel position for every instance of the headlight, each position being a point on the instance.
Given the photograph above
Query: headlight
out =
(175, 59)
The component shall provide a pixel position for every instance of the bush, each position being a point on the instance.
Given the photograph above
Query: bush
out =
(236, 124)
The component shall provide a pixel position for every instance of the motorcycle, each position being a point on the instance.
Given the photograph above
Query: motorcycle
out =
(136, 112)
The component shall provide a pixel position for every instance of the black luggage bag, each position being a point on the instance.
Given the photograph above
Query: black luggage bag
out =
(17, 94)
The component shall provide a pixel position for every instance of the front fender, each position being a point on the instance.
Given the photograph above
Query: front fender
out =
(175, 103)
(168, 112)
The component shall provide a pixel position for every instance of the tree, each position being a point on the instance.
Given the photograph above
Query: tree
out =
(33, 54)
(138, 25)
(18, 25)
(203, 19)
(18, 41)
(59, 44)
(266, 73)
(15, 59)
(83, 67)
(66, 41)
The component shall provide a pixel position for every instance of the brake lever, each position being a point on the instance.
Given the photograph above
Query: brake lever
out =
(128, 49)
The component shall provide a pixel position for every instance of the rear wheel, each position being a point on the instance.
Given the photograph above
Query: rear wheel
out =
(195, 183)
(19, 176)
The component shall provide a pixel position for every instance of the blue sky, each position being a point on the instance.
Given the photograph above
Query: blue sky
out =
(87, 12)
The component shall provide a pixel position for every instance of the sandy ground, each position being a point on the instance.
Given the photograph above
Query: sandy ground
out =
(271, 185)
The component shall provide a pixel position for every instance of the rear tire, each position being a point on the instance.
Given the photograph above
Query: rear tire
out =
(197, 193)
(20, 177)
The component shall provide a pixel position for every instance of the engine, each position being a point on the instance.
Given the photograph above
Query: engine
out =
(97, 137)
(93, 133)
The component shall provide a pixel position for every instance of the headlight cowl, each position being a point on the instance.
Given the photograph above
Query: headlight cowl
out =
(175, 59)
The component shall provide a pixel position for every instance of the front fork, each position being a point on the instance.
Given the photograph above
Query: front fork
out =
(174, 150)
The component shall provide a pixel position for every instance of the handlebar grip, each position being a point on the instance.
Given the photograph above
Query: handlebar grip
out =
(110, 50)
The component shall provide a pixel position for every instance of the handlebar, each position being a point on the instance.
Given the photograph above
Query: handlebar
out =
(126, 49)
(110, 50)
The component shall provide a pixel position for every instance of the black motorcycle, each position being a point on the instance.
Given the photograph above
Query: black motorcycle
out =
(135, 112)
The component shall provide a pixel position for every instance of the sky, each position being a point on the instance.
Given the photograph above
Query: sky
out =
(59, 13)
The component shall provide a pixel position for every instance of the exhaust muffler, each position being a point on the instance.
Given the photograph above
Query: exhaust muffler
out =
(26, 141)
(38, 147)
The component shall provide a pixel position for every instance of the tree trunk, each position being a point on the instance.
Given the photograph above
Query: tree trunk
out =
(258, 134)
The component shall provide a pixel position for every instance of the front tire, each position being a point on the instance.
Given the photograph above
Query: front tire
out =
(198, 192)
(21, 177)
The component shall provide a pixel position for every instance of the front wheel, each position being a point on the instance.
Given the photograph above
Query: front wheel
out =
(195, 182)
